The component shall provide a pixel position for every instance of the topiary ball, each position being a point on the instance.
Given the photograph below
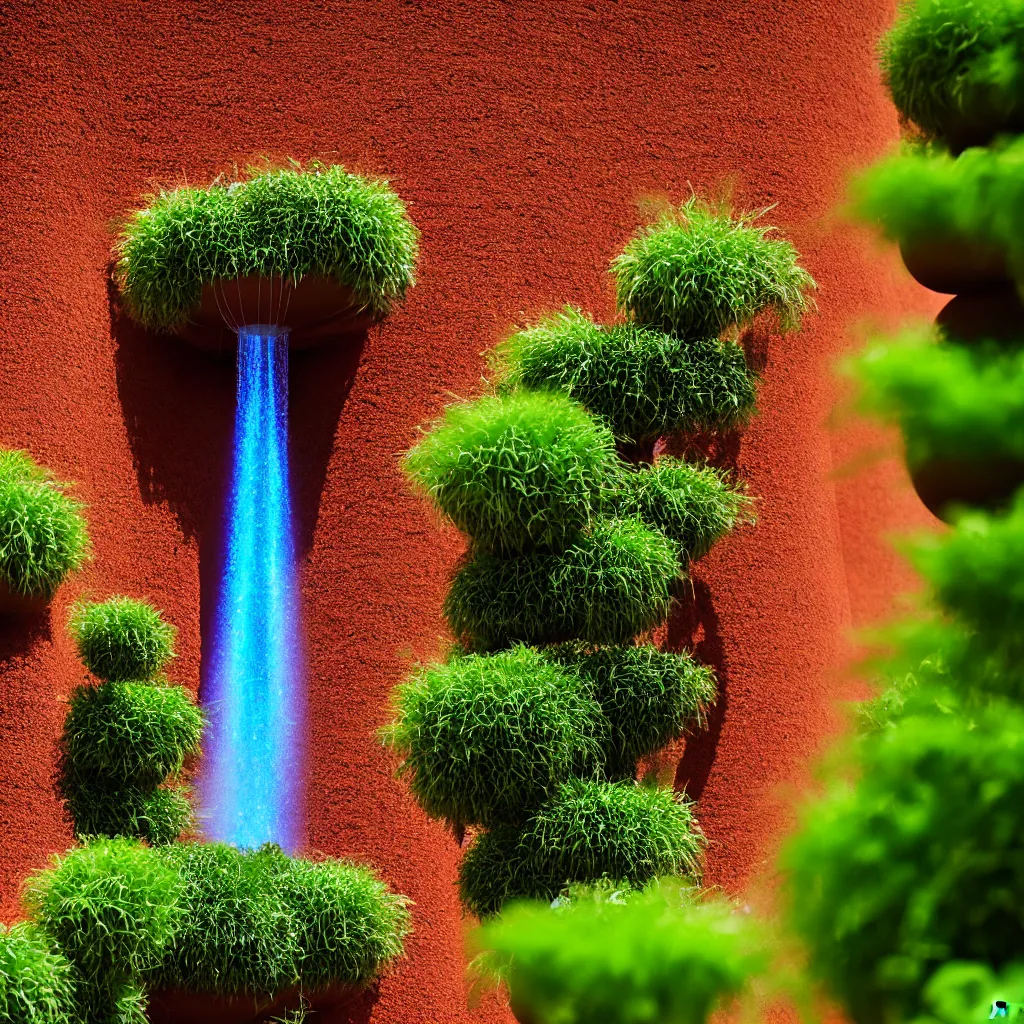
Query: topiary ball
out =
(158, 815)
(693, 505)
(515, 472)
(698, 270)
(642, 382)
(43, 535)
(916, 864)
(649, 697)
(36, 985)
(608, 586)
(128, 732)
(485, 738)
(122, 638)
(112, 907)
(589, 830)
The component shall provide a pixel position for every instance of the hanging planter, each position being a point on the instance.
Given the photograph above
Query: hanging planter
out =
(993, 315)
(988, 482)
(953, 265)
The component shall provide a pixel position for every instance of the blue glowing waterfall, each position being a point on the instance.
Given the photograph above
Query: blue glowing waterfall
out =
(251, 793)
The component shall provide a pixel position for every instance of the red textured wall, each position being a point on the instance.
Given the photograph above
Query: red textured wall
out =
(521, 135)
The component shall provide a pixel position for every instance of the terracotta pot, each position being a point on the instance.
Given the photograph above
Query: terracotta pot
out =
(954, 265)
(987, 483)
(12, 603)
(994, 315)
(315, 311)
(979, 123)
(521, 1013)
(175, 1006)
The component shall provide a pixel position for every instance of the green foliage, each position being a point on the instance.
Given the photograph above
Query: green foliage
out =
(105, 808)
(954, 62)
(965, 991)
(660, 957)
(485, 738)
(698, 270)
(649, 697)
(918, 863)
(36, 984)
(643, 382)
(589, 830)
(318, 220)
(612, 583)
(693, 505)
(122, 638)
(43, 535)
(515, 472)
(259, 922)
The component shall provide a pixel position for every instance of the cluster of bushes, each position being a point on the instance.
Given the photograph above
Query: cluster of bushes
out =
(579, 539)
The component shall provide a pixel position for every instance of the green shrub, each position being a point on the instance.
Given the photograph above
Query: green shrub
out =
(947, 62)
(919, 863)
(649, 697)
(693, 505)
(656, 957)
(122, 638)
(611, 584)
(112, 907)
(36, 984)
(589, 830)
(643, 382)
(319, 220)
(97, 808)
(698, 270)
(43, 536)
(485, 738)
(130, 732)
(515, 472)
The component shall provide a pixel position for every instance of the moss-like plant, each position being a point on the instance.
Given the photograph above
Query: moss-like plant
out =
(661, 955)
(956, 64)
(515, 472)
(485, 738)
(612, 583)
(122, 638)
(698, 269)
(642, 382)
(108, 808)
(693, 505)
(588, 830)
(43, 535)
(36, 983)
(649, 697)
(318, 220)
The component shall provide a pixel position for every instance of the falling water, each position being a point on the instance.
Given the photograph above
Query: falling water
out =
(255, 705)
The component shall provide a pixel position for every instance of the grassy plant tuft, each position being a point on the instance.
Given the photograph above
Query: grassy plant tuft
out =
(36, 983)
(97, 808)
(122, 638)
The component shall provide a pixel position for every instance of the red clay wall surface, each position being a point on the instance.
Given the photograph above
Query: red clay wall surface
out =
(521, 135)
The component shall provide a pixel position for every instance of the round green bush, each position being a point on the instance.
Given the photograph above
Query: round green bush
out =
(917, 864)
(485, 738)
(642, 382)
(320, 220)
(122, 638)
(112, 907)
(36, 985)
(691, 504)
(955, 68)
(515, 472)
(43, 535)
(128, 732)
(649, 697)
(611, 584)
(589, 830)
(698, 270)
(157, 814)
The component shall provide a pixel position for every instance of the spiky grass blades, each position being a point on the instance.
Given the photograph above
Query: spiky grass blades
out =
(318, 220)
(43, 535)
(122, 638)
(649, 697)
(159, 815)
(691, 504)
(642, 382)
(698, 270)
(484, 739)
(515, 472)
(608, 586)
(589, 830)
(36, 983)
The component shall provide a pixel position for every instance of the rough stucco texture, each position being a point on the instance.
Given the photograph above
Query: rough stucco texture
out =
(522, 136)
